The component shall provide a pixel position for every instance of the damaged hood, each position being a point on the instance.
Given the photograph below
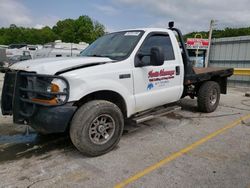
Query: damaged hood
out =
(57, 64)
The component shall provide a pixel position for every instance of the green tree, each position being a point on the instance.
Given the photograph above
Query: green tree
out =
(47, 35)
(82, 29)
(65, 29)
(227, 32)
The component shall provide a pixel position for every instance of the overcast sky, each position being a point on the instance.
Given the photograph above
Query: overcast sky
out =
(189, 15)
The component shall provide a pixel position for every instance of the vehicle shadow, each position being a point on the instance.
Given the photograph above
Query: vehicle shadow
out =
(18, 146)
(188, 104)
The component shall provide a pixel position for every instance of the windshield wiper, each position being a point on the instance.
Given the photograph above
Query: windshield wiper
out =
(97, 55)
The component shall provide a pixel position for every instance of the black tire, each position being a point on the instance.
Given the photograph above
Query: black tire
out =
(87, 127)
(208, 96)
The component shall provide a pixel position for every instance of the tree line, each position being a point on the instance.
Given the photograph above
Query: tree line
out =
(82, 29)
(227, 32)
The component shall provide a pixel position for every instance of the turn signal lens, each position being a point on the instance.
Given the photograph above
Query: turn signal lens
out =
(55, 88)
(51, 101)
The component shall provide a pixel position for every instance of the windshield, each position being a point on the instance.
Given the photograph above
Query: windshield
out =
(115, 45)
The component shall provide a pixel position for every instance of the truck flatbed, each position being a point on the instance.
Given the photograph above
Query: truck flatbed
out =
(202, 70)
(204, 74)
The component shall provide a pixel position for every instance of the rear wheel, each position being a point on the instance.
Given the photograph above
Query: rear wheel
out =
(96, 127)
(208, 96)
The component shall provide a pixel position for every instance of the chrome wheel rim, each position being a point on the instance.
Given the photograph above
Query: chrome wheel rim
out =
(213, 97)
(102, 129)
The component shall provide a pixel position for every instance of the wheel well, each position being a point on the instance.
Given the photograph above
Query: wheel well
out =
(192, 90)
(222, 81)
(107, 95)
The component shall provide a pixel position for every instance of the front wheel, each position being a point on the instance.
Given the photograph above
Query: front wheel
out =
(208, 96)
(96, 127)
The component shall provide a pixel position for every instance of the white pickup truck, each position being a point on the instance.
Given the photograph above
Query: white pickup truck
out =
(122, 75)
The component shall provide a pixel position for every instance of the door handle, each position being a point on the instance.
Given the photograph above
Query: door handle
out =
(177, 70)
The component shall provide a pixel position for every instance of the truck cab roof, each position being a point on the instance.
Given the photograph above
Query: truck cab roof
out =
(148, 29)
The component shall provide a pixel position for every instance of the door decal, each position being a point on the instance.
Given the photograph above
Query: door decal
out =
(159, 78)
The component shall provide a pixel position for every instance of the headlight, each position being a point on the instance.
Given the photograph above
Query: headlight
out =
(56, 86)
(53, 88)
(55, 91)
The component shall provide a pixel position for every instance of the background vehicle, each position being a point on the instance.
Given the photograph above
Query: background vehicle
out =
(60, 49)
(134, 74)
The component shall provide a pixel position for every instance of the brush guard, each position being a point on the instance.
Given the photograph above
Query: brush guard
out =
(21, 88)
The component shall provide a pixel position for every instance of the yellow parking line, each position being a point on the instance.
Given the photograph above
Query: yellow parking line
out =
(180, 153)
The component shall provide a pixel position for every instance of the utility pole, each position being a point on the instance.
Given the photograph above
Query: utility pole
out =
(212, 23)
(71, 49)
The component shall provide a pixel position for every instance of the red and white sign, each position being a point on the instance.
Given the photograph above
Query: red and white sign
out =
(194, 43)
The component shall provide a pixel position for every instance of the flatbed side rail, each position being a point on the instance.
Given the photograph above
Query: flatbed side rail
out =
(195, 78)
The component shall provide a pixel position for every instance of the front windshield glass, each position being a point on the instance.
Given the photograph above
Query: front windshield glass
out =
(115, 45)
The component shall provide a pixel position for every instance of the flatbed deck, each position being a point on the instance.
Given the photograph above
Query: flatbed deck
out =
(199, 70)
(204, 74)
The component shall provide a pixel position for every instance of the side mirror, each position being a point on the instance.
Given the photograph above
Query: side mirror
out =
(156, 56)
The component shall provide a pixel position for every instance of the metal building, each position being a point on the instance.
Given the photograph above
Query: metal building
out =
(232, 52)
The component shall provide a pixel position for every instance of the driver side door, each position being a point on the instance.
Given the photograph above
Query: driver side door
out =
(156, 85)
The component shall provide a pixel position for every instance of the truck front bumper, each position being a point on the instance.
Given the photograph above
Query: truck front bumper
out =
(52, 119)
